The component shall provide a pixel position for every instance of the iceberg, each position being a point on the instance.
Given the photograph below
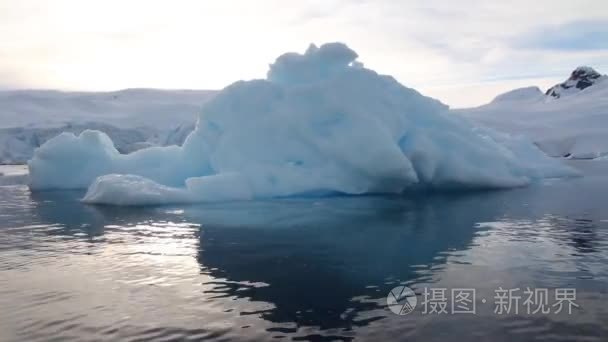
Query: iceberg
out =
(319, 124)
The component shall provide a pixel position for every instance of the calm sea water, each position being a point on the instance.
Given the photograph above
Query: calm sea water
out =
(307, 269)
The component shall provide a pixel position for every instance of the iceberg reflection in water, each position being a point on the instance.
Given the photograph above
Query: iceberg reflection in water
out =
(303, 269)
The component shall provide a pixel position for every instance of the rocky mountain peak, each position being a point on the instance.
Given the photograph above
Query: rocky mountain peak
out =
(581, 78)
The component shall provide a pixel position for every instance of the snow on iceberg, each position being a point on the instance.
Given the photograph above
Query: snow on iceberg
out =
(320, 123)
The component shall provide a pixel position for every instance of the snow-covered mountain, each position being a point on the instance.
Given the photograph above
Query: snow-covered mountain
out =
(569, 120)
(124, 108)
(134, 118)
(581, 78)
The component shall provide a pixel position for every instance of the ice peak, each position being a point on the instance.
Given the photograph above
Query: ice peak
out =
(581, 78)
(316, 63)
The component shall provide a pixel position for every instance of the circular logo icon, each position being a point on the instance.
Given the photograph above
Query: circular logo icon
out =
(401, 300)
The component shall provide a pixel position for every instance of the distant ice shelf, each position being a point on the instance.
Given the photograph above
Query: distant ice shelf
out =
(133, 118)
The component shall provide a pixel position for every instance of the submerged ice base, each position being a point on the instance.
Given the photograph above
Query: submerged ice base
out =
(320, 123)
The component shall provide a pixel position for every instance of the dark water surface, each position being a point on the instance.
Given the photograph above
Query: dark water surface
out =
(305, 269)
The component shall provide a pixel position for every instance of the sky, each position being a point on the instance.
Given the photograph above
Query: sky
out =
(462, 52)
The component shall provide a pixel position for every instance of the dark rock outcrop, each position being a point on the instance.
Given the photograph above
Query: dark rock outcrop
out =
(581, 78)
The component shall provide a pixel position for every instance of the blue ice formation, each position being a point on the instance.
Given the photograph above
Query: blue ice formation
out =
(320, 123)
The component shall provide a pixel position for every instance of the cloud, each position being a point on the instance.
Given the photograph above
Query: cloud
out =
(432, 44)
(571, 36)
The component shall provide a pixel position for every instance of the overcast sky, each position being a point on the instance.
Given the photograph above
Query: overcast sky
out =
(462, 52)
